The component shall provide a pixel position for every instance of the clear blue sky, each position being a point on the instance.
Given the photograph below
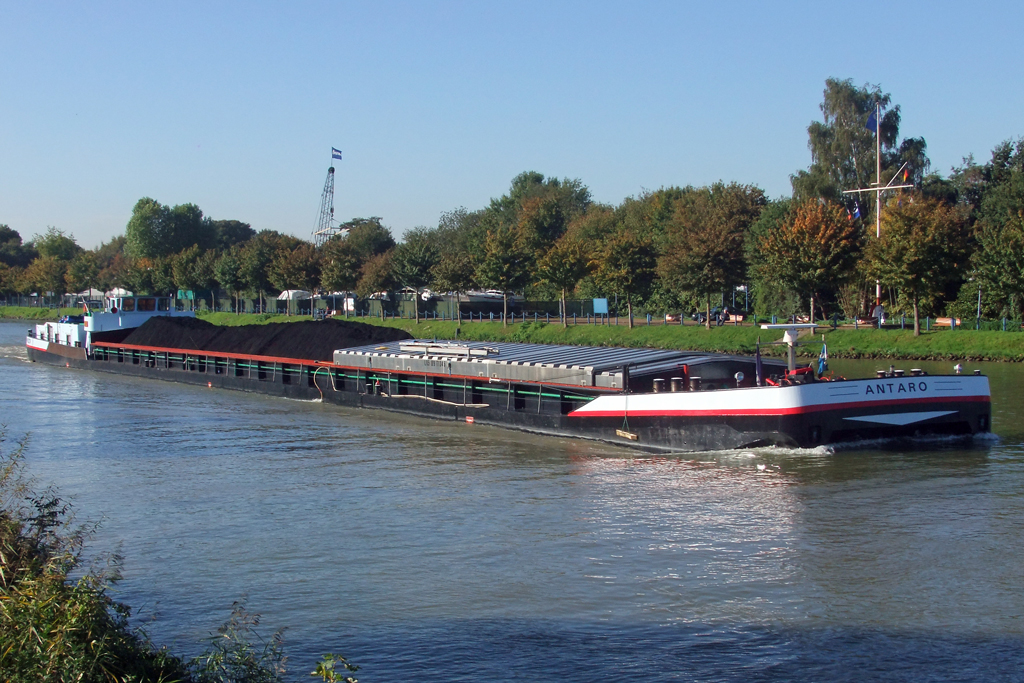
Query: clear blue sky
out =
(235, 106)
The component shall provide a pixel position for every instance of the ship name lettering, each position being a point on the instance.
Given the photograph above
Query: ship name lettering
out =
(900, 388)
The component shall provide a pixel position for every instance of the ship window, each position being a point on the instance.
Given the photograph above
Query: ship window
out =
(163, 304)
(127, 304)
(147, 304)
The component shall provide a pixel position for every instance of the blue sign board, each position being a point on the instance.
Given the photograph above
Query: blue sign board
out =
(600, 306)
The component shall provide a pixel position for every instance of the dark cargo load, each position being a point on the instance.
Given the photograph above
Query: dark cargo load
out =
(308, 340)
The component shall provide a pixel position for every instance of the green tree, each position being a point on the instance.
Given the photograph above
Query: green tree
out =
(413, 260)
(155, 230)
(256, 257)
(367, 237)
(998, 264)
(82, 271)
(506, 264)
(228, 272)
(921, 245)
(703, 252)
(340, 266)
(12, 252)
(843, 148)
(626, 265)
(815, 248)
(227, 234)
(542, 205)
(161, 275)
(206, 275)
(377, 278)
(46, 275)
(185, 268)
(296, 268)
(769, 295)
(563, 266)
(57, 244)
(145, 231)
(454, 272)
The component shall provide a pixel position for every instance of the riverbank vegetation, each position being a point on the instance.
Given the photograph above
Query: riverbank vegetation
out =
(865, 342)
(58, 621)
(950, 245)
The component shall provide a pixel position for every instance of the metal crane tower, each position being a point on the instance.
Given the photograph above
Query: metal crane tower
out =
(325, 227)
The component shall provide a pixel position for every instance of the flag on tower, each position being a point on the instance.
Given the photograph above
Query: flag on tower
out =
(872, 123)
(856, 210)
(335, 153)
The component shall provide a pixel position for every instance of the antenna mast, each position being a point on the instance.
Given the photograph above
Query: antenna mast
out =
(877, 186)
(325, 227)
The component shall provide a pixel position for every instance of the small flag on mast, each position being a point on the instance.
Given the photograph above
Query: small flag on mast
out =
(823, 359)
(872, 123)
(856, 210)
(335, 153)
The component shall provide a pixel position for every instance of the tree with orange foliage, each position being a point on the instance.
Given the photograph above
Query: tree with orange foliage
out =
(814, 249)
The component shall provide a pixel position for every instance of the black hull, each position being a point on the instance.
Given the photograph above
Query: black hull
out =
(653, 433)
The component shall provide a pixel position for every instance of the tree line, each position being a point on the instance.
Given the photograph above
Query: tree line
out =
(673, 249)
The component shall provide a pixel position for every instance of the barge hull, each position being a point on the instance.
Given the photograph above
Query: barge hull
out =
(546, 411)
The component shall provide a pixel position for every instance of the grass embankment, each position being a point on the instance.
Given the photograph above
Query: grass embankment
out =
(35, 313)
(842, 343)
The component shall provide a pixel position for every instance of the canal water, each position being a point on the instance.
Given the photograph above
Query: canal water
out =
(435, 551)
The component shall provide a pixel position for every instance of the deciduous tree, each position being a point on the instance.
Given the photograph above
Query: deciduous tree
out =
(377, 277)
(506, 264)
(922, 243)
(626, 265)
(228, 272)
(815, 248)
(563, 266)
(412, 262)
(703, 253)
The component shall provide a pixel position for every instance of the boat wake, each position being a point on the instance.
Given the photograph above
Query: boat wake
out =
(16, 351)
(922, 442)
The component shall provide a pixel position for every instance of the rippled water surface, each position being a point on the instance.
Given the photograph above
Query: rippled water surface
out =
(436, 551)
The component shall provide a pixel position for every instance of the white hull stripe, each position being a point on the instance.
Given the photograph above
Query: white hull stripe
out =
(911, 392)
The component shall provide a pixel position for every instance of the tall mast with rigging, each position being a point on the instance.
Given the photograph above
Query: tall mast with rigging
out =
(877, 186)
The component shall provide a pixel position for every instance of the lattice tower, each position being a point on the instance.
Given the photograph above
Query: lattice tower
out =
(325, 227)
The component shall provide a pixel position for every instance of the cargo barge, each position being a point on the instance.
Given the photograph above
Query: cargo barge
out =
(649, 398)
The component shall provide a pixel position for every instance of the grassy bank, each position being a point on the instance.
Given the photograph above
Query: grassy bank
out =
(842, 343)
(35, 313)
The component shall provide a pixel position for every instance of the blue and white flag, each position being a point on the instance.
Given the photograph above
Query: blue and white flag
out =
(335, 153)
(823, 360)
(856, 210)
(872, 123)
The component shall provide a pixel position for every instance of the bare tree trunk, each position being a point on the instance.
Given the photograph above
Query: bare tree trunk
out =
(565, 318)
(707, 312)
(504, 308)
(629, 310)
(811, 318)
(416, 305)
(917, 319)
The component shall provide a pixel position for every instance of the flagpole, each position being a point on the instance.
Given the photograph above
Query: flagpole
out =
(878, 188)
